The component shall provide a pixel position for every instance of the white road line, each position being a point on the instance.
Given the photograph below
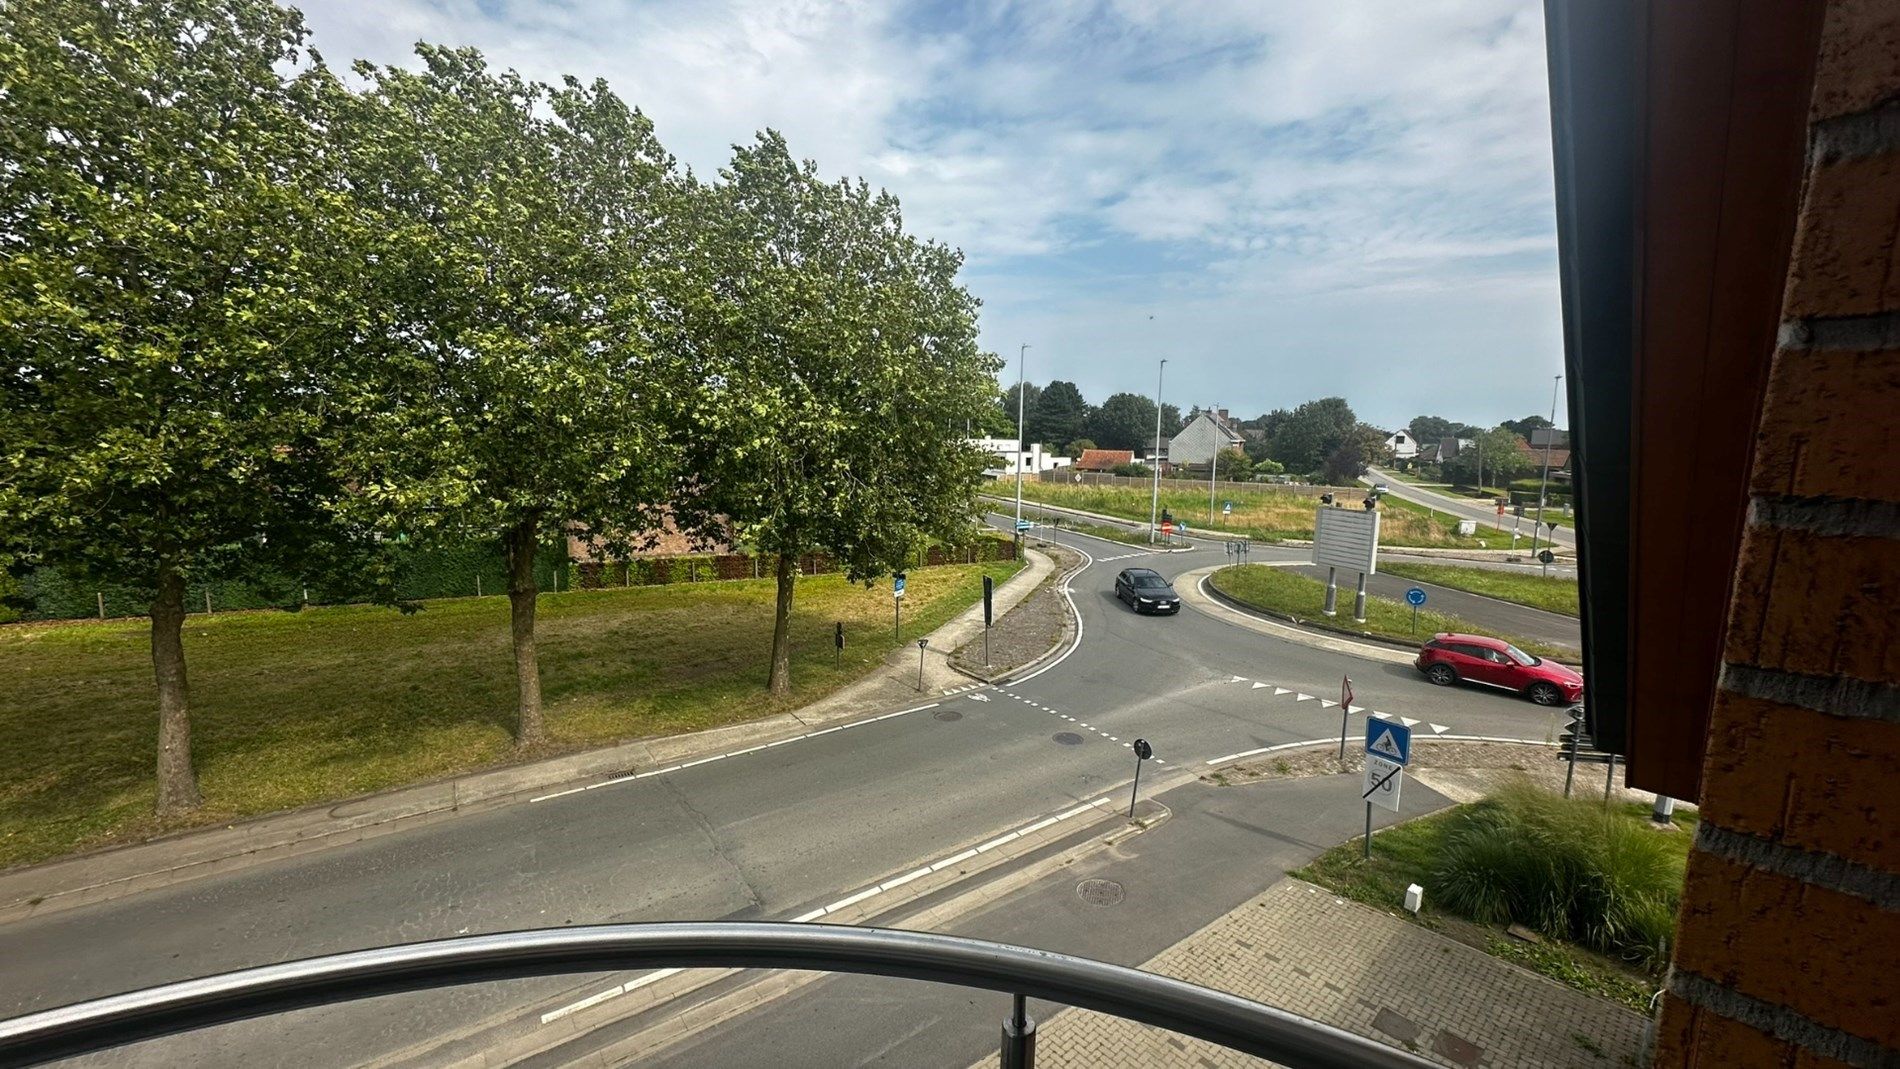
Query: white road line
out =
(1266, 749)
(949, 861)
(1076, 642)
(733, 753)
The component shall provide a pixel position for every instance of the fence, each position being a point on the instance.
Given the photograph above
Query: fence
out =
(711, 567)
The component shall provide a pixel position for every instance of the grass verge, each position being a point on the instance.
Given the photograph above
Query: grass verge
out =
(1284, 592)
(1260, 512)
(1557, 595)
(289, 709)
(1571, 847)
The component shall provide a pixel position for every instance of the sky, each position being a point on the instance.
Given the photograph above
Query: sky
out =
(1285, 199)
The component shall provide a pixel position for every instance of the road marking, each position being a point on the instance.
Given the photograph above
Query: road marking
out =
(1257, 686)
(1408, 721)
(1277, 691)
(979, 697)
(1380, 715)
(1355, 708)
(1438, 729)
(1074, 613)
(1238, 679)
(1303, 697)
(723, 756)
(1266, 749)
(1324, 704)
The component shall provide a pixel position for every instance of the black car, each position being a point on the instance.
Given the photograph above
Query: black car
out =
(1146, 591)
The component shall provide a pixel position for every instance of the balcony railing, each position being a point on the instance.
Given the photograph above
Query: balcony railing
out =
(1020, 972)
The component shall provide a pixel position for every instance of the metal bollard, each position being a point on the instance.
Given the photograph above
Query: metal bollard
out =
(1019, 1039)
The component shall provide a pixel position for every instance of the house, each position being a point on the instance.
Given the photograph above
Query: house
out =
(1104, 459)
(1009, 457)
(1402, 445)
(1205, 436)
(1547, 446)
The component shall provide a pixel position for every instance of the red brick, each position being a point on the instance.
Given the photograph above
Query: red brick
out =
(1694, 1037)
(1827, 428)
(1828, 956)
(1805, 779)
(1845, 244)
(1816, 604)
(1859, 63)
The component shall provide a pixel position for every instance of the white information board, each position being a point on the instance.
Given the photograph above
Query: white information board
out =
(1347, 539)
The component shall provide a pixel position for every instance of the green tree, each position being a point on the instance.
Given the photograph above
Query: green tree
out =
(841, 350)
(1430, 430)
(1502, 460)
(168, 272)
(1232, 464)
(1077, 447)
(1171, 422)
(1523, 427)
(1311, 433)
(1124, 421)
(1006, 405)
(1060, 414)
(511, 385)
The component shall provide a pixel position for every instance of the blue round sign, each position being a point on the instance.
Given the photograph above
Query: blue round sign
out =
(1415, 596)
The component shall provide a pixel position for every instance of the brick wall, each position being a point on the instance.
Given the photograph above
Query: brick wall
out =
(1788, 952)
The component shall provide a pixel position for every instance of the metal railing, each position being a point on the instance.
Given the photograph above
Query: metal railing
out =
(1023, 973)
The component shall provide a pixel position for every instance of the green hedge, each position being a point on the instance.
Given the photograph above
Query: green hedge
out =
(442, 571)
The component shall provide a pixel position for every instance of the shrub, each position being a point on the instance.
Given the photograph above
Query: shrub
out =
(1565, 868)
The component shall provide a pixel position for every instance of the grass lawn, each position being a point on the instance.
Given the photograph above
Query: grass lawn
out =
(289, 709)
(1260, 512)
(1410, 853)
(1554, 594)
(1281, 590)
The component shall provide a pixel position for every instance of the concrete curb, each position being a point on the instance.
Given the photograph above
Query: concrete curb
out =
(119, 871)
(1188, 585)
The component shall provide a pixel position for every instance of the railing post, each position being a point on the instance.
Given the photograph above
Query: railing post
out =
(1019, 1038)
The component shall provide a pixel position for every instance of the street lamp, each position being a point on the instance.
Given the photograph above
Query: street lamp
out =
(1154, 502)
(1022, 362)
(1543, 485)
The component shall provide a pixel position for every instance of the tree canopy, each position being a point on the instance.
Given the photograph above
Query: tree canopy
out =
(1311, 433)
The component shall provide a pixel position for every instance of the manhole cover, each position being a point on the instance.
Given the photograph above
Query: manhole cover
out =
(1067, 738)
(1099, 892)
(947, 714)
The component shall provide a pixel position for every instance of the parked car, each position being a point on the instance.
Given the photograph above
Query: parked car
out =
(1145, 590)
(1447, 658)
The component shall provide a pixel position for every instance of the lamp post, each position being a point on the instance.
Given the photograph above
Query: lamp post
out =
(1213, 467)
(1154, 502)
(1543, 484)
(1022, 362)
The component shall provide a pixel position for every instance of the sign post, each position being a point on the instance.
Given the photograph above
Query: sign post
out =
(1388, 751)
(837, 645)
(1415, 597)
(1345, 711)
(989, 615)
(921, 643)
(897, 607)
(1143, 751)
(1546, 556)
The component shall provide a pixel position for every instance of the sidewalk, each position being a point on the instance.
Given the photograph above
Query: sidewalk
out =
(1299, 947)
(118, 871)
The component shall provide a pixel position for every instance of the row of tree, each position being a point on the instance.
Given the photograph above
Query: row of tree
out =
(252, 311)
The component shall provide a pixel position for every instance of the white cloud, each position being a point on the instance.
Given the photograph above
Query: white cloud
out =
(1311, 168)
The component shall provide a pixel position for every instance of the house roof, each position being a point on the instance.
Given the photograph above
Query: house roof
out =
(1559, 456)
(1104, 459)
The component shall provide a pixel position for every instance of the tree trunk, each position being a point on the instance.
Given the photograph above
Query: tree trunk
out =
(529, 730)
(177, 782)
(781, 680)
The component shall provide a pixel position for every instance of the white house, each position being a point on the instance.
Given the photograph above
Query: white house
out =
(1010, 453)
(1402, 445)
(1205, 435)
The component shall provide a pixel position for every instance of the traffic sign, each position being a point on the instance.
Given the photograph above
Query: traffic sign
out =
(1167, 527)
(989, 601)
(1024, 525)
(1388, 740)
(1546, 556)
(1381, 784)
(897, 585)
(1227, 509)
(1143, 750)
(1415, 596)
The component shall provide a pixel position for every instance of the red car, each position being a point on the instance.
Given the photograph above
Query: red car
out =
(1448, 658)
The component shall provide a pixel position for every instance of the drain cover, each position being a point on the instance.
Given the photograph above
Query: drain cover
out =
(1099, 892)
(947, 714)
(1067, 738)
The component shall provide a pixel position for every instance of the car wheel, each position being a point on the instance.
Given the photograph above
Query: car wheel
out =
(1441, 674)
(1545, 693)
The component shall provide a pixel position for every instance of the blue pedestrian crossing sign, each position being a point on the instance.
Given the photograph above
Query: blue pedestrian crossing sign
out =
(1415, 596)
(1390, 741)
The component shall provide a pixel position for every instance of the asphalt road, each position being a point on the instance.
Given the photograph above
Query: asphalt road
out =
(1467, 508)
(766, 834)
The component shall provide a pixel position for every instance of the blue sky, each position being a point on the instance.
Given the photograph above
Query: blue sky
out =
(1285, 199)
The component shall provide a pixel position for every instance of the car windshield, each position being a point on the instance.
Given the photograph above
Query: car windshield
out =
(1520, 656)
(1149, 582)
